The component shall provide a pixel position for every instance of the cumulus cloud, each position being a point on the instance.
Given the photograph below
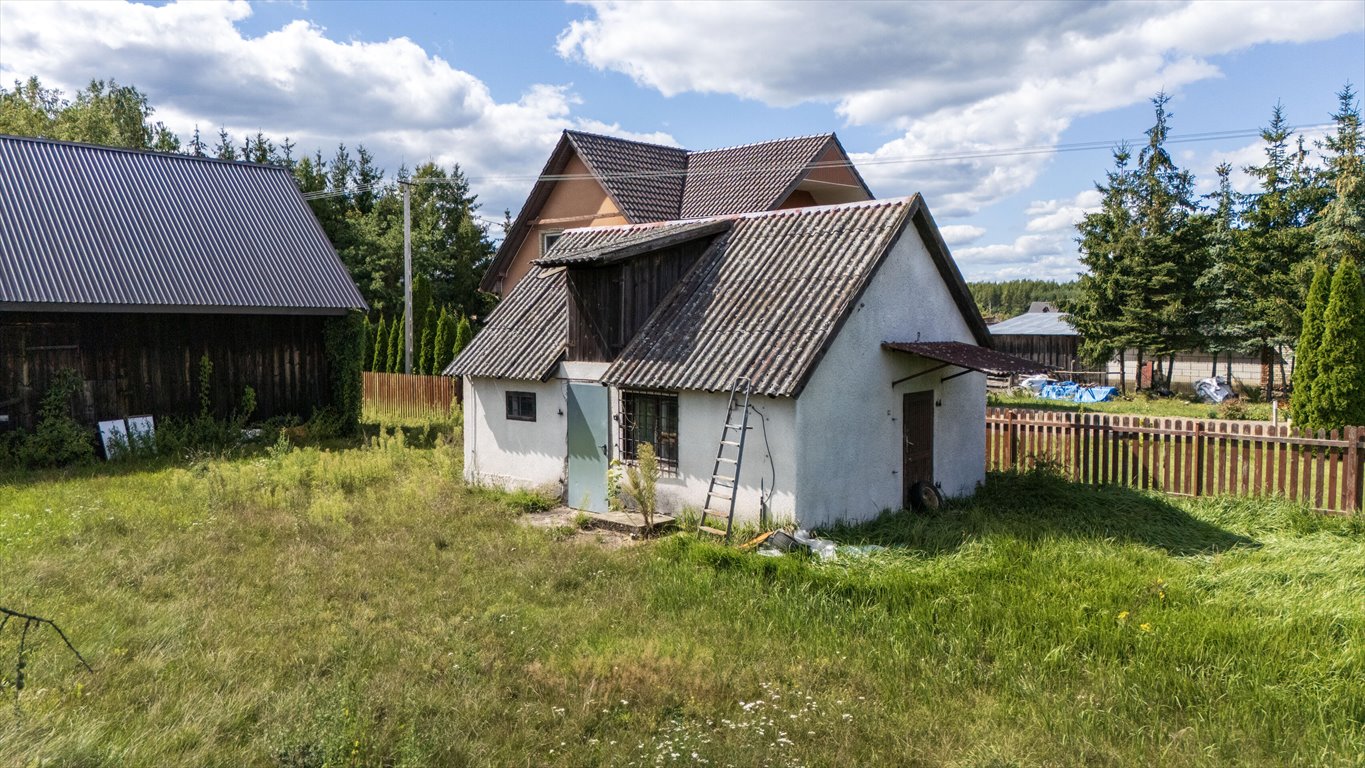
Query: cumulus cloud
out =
(961, 234)
(405, 104)
(1046, 250)
(949, 78)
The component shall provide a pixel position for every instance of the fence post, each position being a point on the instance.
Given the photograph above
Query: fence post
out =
(1011, 439)
(1199, 458)
(1351, 479)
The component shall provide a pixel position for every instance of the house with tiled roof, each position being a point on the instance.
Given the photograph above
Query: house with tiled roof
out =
(847, 331)
(129, 267)
(598, 181)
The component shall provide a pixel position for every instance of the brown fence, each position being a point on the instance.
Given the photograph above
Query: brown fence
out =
(410, 395)
(1190, 457)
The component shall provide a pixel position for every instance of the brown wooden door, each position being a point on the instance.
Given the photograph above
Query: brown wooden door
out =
(918, 422)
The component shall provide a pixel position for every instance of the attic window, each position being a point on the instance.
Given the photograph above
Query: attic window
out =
(650, 417)
(548, 240)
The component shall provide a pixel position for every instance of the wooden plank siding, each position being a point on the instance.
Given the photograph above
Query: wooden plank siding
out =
(1187, 457)
(608, 304)
(414, 396)
(1059, 353)
(136, 363)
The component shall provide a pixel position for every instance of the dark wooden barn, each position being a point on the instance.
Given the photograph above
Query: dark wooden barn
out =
(1044, 337)
(129, 267)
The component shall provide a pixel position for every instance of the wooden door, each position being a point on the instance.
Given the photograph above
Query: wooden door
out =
(918, 423)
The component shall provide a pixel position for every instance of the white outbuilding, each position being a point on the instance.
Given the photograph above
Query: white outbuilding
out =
(850, 325)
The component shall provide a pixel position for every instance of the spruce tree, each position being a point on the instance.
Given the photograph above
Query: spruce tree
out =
(1306, 369)
(1106, 240)
(441, 345)
(396, 340)
(1339, 231)
(1339, 391)
(379, 363)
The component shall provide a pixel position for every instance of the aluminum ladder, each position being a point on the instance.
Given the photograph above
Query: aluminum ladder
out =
(729, 456)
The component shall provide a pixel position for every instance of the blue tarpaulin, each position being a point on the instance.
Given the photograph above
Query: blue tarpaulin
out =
(1070, 390)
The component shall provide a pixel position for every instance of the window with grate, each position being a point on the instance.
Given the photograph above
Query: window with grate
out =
(650, 417)
(521, 406)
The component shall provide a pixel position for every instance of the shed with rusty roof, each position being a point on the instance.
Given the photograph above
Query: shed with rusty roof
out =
(128, 267)
(632, 334)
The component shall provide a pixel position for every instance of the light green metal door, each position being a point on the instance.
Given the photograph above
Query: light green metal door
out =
(589, 418)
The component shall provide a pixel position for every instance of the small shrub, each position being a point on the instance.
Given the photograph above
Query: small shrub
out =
(59, 440)
(1233, 409)
(641, 483)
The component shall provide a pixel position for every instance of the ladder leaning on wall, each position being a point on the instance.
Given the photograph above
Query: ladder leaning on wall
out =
(720, 495)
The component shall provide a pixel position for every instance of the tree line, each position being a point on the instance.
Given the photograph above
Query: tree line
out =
(1168, 270)
(1007, 298)
(438, 336)
(360, 210)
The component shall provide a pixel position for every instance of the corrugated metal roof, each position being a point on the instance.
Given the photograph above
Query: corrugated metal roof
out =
(526, 334)
(1035, 324)
(764, 302)
(84, 226)
(753, 177)
(968, 356)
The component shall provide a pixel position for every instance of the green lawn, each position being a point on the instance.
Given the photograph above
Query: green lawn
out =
(364, 607)
(1140, 405)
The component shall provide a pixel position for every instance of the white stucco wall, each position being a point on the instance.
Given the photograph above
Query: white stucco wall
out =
(701, 416)
(515, 454)
(849, 459)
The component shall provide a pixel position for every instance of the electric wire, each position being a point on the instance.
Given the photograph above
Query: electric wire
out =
(979, 154)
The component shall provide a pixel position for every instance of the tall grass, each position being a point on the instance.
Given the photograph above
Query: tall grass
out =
(309, 607)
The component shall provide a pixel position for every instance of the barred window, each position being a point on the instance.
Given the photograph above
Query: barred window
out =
(521, 406)
(650, 417)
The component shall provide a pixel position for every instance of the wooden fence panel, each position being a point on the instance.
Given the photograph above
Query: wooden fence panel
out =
(1191, 457)
(413, 396)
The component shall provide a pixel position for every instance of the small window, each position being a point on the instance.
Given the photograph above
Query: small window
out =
(650, 417)
(548, 240)
(521, 406)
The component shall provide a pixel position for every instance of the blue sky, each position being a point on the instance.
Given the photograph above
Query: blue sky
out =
(490, 86)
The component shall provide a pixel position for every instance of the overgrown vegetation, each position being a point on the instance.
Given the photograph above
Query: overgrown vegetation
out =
(59, 438)
(308, 606)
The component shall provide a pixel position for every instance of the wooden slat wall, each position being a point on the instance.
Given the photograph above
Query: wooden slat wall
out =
(1189, 457)
(135, 363)
(410, 395)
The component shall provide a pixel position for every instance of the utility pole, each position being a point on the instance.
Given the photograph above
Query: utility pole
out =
(407, 276)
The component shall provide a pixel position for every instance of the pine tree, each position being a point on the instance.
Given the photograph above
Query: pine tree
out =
(225, 150)
(1106, 239)
(426, 350)
(197, 147)
(379, 363)
(441, 343)
(396, 340)
(1306, 368)
(1339, 230)
(464, 333)
(1339, 390)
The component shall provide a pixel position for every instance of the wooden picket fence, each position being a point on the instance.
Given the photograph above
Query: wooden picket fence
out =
(1189, 457)
(405, 395)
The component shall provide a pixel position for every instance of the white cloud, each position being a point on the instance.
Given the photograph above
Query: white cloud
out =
(961, 234)
(1046, 250)
(949, 78)
(405, 104)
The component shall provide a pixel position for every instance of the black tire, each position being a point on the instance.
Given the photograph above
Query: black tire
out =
(924, 497)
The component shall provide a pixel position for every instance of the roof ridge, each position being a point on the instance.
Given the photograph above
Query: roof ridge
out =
(609, 137)
(142, 152)
(782, 140)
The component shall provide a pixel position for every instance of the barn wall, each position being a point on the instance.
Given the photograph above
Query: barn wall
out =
(136, 364)
(1055, 351)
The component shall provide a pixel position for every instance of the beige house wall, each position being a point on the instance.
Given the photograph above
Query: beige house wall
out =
(572, 203)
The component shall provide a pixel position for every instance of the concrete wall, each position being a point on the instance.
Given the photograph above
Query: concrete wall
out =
(850, 456)
(769, 463)
(515, 454)
(1193, 366)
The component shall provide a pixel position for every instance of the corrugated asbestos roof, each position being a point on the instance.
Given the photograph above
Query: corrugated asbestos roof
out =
(526, 334)
(968, 356)
(84, 227)
(583, 248)
(654, 183)
(1035, 324)
(764, 301)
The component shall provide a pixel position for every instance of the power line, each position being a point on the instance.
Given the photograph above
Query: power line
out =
(1022, 151)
